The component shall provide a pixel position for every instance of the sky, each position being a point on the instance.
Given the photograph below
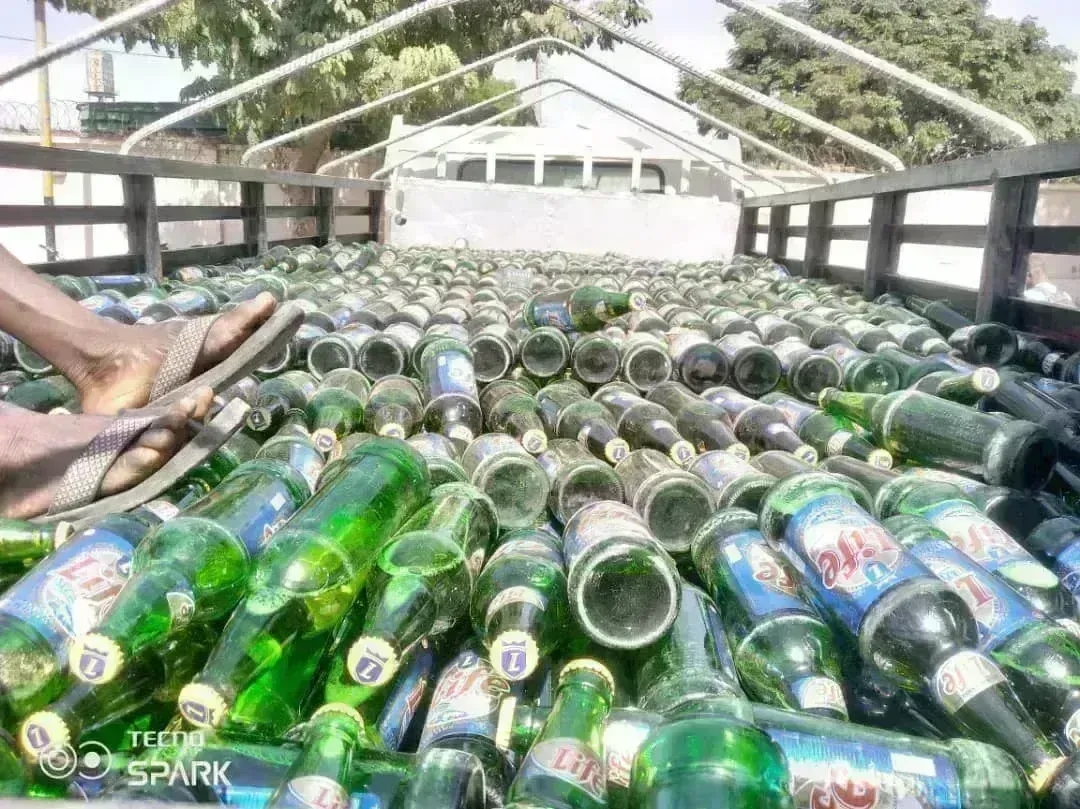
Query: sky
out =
(693, 28)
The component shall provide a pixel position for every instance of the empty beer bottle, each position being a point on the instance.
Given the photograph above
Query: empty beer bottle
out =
(644, 424)
(336, 409)
(423, 579)
(194, 567)
(930, 430)
(699, 363)
(947, 508)
(338, 350)
(64, 595)
(783, 651)
(452, 402)
(278, 396)
(1040, 657)
(569, 413)
(917, 339)
(864, 373)
(519, 606)
(298, 451)
(23, 543)
(806, 371)
(565, 767)
(583, 309)
(625, 732)
(622, 585)
(544, 353)
(755, 369)
(464, 715)
(691, 661)
(509, 407)
(826, 433)
(494, 349)
(703, 423)
(672, 502)
(981, 343)
(441, 456)
(595, 359)
(906, 623)
(758, 425)
(501, 468)
(303, 583)
(577, 478)
(960, 386)
(45, 395)
(320, 773)
(735, 483)
(394, 407)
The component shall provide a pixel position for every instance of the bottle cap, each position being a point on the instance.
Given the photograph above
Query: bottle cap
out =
(637, 301)
(534, 441)
(202, 705)
(505, 726)
(325, 440)
(514, 654)
(1044, 774)
(62, 533)
(806, 453)
(615, 450)
(880, 458)
(95, 658)
(985, 380)
(43, 731)
(372, 661)
(392, 431)
(585, 664)
(682, 452)
(341, 709)
(739, 450)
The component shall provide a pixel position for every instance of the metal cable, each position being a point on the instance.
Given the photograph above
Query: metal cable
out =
(427, 6)
(104, 28)
(977, 112)
(356, 112)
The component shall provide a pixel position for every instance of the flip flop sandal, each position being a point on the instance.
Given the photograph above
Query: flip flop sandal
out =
(74, 501)
(174, 382)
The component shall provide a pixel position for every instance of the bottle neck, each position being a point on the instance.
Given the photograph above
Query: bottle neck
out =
(858, 407)
(403, 610)
(392, 420)
(268, 414)
(23, 542)
(318, 774)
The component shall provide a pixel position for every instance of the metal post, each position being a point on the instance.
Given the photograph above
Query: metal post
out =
(1004, 268)
(325, 216)
(778, 222)
(883, 246)
(253, 211)
(45, 123)
(818, 221)
(144, 241)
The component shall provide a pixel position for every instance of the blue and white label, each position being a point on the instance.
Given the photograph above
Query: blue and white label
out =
(1067, 564)
(848, 557)
(837, 774)
(465, 702)
(764, 582)
(404, 701)
(453, 373)
(819, 694)
(999, 610)
(67, 594)
(554, 313)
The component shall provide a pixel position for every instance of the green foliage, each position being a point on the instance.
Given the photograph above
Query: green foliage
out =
(1006, 65)
(244, 38)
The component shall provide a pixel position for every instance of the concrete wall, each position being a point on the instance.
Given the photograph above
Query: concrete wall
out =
(525, 217)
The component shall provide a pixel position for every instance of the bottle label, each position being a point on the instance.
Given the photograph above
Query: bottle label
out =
(315, 792)
(67, 594)
(599, 523)
(622, 740)
(837, 441)
(847, 555)
(839, 774)
(261, 523)
(531, 548)
(984, 541)
(571, 761)
(453, 374)
(719, 469)
(998, 609)
(465, 702)
(162, 509)
(556, 313)
(819, 693)
(763, 581)
(514, 595)
(963, 677)
(1049, 361)
(1067, 564)
(407, 695)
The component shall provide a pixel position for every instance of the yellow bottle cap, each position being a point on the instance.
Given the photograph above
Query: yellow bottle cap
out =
(202, 705)
(514, 655)
(43, 731)
(372, 661)
(95, 658)
(505, 726)
(638, 301)
(806, 453)
(534, 441)
(615, 450)
(1044, 774)
(985, 380)
(341, 709)
(325, 440)
(392, 431)
(740, 451)
(593, 666)
(682, 452)
(881, 458)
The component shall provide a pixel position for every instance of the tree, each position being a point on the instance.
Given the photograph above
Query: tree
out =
(1006, 65)
(244, 38)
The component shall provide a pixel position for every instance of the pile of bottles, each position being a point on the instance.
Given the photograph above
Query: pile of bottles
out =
(565, 532)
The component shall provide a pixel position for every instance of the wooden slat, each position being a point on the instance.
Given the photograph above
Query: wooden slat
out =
(795, 265)
(1055, 240)
(746, 230)
(36, 215)
(144, 239)
(295, 211)
(851, 233)
(778, 222)
(346, 238)
(818, 220)
(1012, 213)
(1046, 160)
(352, 210)
(253, 209)
(197, 213)
(325, 215)
(959, 297)
(376, 201)
(796, 231)
(29, 156)
(944, 235)
(882, 246)
(98, 265)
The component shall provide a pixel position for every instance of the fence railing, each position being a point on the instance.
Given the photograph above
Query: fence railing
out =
(141, 214)
(1007, 240)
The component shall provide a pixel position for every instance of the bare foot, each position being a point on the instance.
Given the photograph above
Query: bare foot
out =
(36, 450)
(119, 369)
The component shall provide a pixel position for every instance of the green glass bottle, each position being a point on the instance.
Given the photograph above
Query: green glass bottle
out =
(193, 568)
(784, 652)
(544, 353)
(394, 407)
(13, 771)
(23, 543)
(564, 769)
(44, 395)
(509, 407)
(935, 431)
(864, 373)
(569, 413)
(519, 607)
(577, 478)
(452, 405)
(959, 386)
(513, 479)
(304, 581)
(735, 483)
(319, 775)
(298, 451)
(278, 396)
(645, 424)
(334, 411)
(690, 662)
(441, 455)
(239, 449)
(423, 580)
(806, 371)
(595, 359)
(826, 433)
(584, 309)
